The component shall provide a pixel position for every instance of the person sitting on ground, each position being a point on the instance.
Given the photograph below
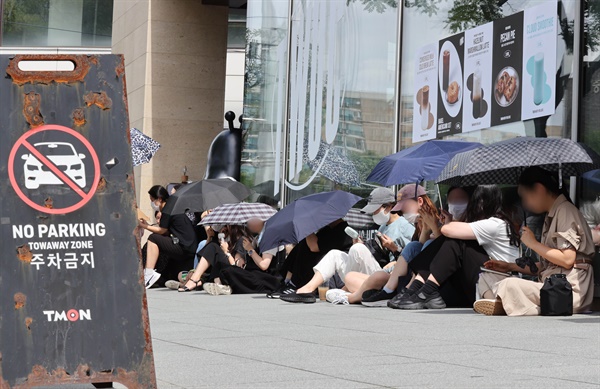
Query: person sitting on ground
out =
(394, 232)
(453, 260)
(174, 236)
(566, 248)
(218, 250)
(298, 266)
(253, 271)
(428, 229)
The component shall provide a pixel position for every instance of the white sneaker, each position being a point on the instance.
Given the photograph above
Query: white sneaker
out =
(150, 278)
(217, 289)
(337, 296)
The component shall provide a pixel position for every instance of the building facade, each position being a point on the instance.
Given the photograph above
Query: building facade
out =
(344, 78)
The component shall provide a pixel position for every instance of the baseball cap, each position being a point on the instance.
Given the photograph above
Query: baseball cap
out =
(377, 198)
(411, 191)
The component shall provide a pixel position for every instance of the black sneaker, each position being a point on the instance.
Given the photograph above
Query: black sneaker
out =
(306, 298)
(421, 300)
(368, 293)
(284, 288)
(393, 303)
(378, 299)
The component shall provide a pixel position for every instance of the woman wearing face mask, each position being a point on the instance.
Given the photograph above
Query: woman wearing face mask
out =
(381, 287)
(454, 259)
(218, 249)
(394, 231)
(566, 248)
(174, 237)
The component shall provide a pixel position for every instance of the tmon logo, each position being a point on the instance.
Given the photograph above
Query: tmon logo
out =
(70, 315)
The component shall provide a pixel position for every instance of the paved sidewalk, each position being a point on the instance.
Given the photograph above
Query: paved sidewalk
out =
(253, 342)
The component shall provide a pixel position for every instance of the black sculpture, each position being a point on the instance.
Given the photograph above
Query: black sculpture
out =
(225, 152)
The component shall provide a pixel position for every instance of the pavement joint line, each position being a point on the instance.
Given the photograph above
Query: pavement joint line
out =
(277, 364)
(170, 383)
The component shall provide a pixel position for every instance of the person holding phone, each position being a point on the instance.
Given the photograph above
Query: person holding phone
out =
(381, 287)
(395, 233)
(566, 247)
(450, 265)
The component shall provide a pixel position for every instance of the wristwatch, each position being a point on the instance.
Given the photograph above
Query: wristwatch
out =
(250, 252)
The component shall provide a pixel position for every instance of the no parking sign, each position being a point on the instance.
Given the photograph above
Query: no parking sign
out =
(72, 301)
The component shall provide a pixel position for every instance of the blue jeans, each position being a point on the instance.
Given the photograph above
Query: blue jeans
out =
(413, 249)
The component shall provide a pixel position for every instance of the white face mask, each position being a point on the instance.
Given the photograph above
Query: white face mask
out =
(155, 206)
(411, 217)
(457, 210)
(381, 218)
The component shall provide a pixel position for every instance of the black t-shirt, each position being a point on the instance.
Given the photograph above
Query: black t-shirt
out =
(334, 238)
(181, 226)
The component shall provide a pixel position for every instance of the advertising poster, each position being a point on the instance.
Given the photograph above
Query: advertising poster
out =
(539, 61)
(425, 104)
(478, 79)
(507, 69)
(450, 85)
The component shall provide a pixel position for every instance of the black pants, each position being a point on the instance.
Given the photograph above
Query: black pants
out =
(300, 263)
(244, 281)
(172, 258)
(455, 265)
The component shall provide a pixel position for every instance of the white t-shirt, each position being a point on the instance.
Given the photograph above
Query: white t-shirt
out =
(492, 235)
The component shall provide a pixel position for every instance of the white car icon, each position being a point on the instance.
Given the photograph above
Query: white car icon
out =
(63, 155)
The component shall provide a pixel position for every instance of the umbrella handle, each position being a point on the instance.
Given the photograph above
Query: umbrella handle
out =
(439, 193)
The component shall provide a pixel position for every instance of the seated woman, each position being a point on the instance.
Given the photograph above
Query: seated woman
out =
(394, 232)
(213, 253)
(566, 247)
(252, 272)
(298, 266)
(174, 237)
(454, 259)
(368, 290)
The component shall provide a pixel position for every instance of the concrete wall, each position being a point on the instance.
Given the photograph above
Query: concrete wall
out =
(175, 56)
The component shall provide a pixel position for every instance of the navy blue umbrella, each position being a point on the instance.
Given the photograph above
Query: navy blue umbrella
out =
(304, 216)
(418, 163)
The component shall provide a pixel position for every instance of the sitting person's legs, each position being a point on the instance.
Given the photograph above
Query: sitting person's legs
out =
(364, 283)
(334, 261)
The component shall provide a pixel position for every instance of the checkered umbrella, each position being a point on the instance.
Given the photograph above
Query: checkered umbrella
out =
(360, 221)
(238, 214)
(503, 162)
(143, 147)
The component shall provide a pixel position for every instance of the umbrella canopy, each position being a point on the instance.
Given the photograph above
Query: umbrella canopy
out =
(359, 220)
(305, 216)
(417, 163)
(238, 214)
(503, 162)
(206, 194)
(143, 147)
(333, 165)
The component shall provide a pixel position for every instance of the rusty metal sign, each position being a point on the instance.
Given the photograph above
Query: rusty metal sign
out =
(72, 302)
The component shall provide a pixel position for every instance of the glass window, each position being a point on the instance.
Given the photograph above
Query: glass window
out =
(57, 23)
(427, 23)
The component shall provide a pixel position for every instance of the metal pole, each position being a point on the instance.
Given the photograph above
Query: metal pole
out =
(397, 112)
(284, 149)
(575, 107)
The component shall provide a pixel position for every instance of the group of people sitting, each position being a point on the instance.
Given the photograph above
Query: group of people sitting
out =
(470, 254)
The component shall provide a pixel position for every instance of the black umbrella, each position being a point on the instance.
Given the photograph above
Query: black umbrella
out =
(206, 194)
(503, 162)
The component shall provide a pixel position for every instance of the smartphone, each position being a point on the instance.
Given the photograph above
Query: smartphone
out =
(351, 232)
(221, 237)
(495, 272)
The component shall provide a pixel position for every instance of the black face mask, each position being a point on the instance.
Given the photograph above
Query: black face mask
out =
(527, 260)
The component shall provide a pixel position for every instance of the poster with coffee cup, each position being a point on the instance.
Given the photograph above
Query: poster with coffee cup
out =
(507, 69)
(450, 85)
(478, 78)
(539, 60)
(425, 104)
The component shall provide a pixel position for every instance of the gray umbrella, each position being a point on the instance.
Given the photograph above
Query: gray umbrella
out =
(335, 166)
(503, 162)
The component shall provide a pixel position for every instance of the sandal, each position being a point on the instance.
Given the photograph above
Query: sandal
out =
(186, 289)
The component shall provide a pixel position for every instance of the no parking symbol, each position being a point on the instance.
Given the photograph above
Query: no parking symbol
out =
(59, 160)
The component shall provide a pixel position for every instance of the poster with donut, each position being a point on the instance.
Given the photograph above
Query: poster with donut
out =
(450, 85)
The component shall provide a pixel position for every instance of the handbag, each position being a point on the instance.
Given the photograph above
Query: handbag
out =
(380, 253)
(556, 296)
